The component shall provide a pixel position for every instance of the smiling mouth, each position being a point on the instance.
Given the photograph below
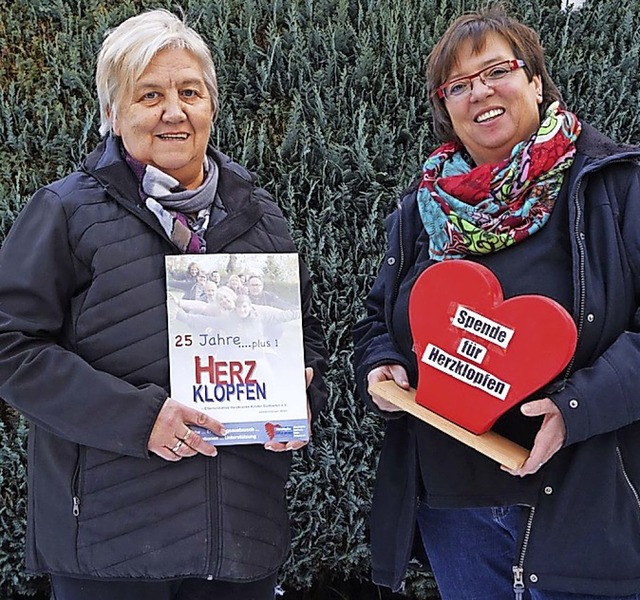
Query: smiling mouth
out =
(174, 136)
(490, 114)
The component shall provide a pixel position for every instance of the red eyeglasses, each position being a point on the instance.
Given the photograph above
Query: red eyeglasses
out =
(490, 76)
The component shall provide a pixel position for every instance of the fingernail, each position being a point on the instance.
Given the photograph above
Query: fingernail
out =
(223, 431)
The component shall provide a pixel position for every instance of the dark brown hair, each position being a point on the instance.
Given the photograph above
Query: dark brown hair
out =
(475, 27)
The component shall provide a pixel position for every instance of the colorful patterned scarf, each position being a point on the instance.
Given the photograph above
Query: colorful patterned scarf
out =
(184, 214)
(487, 208)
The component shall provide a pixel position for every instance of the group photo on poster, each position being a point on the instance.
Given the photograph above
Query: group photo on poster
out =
(235, 343)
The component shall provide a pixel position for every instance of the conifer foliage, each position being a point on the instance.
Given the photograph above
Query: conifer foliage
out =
(325, 100)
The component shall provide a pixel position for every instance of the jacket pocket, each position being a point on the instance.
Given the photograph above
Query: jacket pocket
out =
(76, 483)
(142, 517)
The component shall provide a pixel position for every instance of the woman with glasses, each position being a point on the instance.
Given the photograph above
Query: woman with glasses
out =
(523, 186)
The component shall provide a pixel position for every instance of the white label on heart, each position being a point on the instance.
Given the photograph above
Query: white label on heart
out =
(475, 323)
(465, 372)
(472, 350)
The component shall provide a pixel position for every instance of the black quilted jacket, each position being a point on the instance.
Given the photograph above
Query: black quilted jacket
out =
(83, 354)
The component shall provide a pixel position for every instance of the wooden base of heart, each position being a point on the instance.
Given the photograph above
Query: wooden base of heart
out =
(490, 444)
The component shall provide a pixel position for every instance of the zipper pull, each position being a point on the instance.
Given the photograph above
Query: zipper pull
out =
(518, 582)
(76, 506)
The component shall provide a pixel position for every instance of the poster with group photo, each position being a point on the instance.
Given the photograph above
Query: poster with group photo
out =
(235, 344)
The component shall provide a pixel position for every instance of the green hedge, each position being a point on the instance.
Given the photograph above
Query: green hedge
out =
(325, 99)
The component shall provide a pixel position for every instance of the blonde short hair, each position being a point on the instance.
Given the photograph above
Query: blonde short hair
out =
(128, 49)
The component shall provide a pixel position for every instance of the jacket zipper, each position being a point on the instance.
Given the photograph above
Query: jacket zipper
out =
(401, 257)
(518, 570)
(75, 489)
(215, 463)
(632, 487)
(581, 275)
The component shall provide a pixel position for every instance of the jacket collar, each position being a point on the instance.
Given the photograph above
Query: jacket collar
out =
(595, 151)
(597, 147)
(236, 188)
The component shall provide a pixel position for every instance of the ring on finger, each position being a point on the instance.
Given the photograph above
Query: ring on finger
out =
(186, 437)
(177, 447)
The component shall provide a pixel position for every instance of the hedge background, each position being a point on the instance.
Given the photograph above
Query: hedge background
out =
(325, 100)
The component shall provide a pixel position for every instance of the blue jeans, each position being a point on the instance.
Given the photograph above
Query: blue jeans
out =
(472, 551)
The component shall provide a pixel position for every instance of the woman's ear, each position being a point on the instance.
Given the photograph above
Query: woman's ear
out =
(113, 120)
(537, 81)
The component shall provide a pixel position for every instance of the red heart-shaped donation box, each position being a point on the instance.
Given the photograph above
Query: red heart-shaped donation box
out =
(478, 354)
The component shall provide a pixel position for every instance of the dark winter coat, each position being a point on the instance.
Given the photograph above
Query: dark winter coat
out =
(84, 356)
(584, 529)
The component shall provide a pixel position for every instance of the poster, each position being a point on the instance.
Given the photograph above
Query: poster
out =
(235, 344)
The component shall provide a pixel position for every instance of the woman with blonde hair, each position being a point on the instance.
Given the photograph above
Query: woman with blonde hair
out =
(126, 501)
